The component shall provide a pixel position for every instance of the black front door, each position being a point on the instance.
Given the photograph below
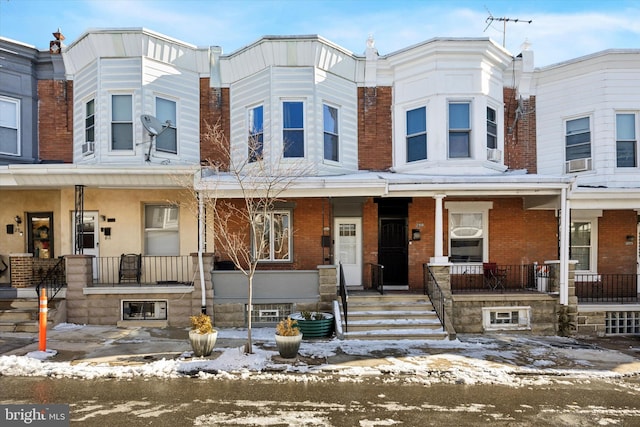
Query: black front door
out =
(392, 250)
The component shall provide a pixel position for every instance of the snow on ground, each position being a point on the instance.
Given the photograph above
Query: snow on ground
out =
(507, 360)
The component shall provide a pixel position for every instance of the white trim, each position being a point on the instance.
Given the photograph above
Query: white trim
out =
(472, 207)
(17, 105)
(146, 290)
(524, 318)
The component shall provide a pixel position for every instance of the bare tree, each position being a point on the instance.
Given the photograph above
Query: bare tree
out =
(240, 194)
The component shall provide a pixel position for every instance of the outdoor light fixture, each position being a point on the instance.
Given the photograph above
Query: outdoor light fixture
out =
(18, 221)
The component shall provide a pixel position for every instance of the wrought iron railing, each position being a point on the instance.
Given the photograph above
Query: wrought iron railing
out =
(154, 270)
(52, 279)
(607, 288)
(377, 277)
(498, 277)
(344, 296)
(433, 290)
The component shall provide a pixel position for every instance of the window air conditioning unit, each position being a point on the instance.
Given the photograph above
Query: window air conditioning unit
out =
(88, 147)
(494, 155)
(578, 165)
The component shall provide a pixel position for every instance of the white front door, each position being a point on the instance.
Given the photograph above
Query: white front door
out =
(348, 249)
(90, 237)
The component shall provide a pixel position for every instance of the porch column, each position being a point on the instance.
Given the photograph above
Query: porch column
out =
(438, 258)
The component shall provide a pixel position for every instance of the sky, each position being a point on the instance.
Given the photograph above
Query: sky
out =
(560, 30)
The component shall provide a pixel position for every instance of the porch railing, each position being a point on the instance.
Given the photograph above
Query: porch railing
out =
(52, 279)
(475, 277)
(344, 296)
(607, 288)
(154, 270)
(433, 290)
(377, 277)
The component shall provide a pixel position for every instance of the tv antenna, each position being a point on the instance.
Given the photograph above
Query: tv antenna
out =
(154, 127)
(504, 21)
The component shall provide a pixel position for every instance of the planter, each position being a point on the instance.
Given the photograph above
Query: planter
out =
(288, 346)
(315, 328)
(202, 344)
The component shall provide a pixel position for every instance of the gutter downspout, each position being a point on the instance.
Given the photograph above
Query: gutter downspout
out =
(203, 289)
(564, 248)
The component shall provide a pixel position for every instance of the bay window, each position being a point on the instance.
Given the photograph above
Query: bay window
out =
(459, 130)
(9, 126)
(626, 141)
(167, 140)
(416, 134)
(331, 136)
(255, 141)
(293, 129)
(122, 122)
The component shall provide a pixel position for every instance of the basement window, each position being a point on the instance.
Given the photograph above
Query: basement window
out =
(144, 310)
(622, 323)
(506, 318)
(269, 314)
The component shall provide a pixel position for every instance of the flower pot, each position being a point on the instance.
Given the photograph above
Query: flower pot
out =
(315, 328)
(288, 346)
(202, 344)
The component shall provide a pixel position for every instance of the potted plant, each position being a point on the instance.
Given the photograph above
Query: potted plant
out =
(202, 336)
(314, 324)
(288, 338)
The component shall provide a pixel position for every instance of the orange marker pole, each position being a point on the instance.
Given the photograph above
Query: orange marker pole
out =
(43, 320)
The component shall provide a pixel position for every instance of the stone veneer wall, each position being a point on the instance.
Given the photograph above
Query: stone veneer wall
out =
(230, 315)
(102, 306)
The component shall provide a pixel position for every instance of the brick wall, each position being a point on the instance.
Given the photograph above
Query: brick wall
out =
(614, 255)
(374, 128)
(55, 116)
(519, 140)
(21, 267)
(214, 110)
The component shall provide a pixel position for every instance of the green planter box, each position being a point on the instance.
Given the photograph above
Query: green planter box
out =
(315, 328)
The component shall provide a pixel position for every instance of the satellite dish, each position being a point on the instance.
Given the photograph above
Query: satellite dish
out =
(151, 124)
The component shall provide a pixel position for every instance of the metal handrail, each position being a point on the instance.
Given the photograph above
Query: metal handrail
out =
(434, 291)
(344, 296)
(377, 277)
(607, 288)
(54, 280)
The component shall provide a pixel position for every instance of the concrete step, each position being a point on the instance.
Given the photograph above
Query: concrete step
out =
(391, 317)
(27, 326)
(17, 315)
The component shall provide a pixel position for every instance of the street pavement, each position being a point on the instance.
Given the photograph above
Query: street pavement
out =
(136, 345)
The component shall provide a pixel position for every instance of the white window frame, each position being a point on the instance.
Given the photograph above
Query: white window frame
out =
(326, 132)
(160, 303)
(491, 123)
(271, 249)
(88, 147)
(12, 126)
(413, 135)
(591, 216)
(173, 126)
(468, 130)
(567, 135)
(304, 125)
(471, 208)
(254, 135)
(634, 141)
(502, 318)
(115, 122)
(167, 221)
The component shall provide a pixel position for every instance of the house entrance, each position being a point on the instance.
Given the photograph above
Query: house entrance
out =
(393, 242)
(348, 248)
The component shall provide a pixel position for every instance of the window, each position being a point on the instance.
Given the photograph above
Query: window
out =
(144, 310)
(256, 133)
(417, 134)
(459, 130)
(121, 122)
(293, 129)
(89, 127)
(9, 126)
(167, 140)
(581, 244)
(274, 241)
(506, 318)
(492, 128)
(331, 137)
(161, 231)
(466, 237)
(626, 140)
(578, 139)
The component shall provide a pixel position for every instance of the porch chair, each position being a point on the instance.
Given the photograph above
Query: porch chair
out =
(494, 277)
(130, 268)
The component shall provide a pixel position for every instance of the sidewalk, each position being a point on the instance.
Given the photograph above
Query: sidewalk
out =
(117, 347)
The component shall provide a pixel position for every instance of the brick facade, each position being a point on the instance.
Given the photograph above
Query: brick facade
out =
(214, 111)
(55, 116)
(374, 128)
(519, 135)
